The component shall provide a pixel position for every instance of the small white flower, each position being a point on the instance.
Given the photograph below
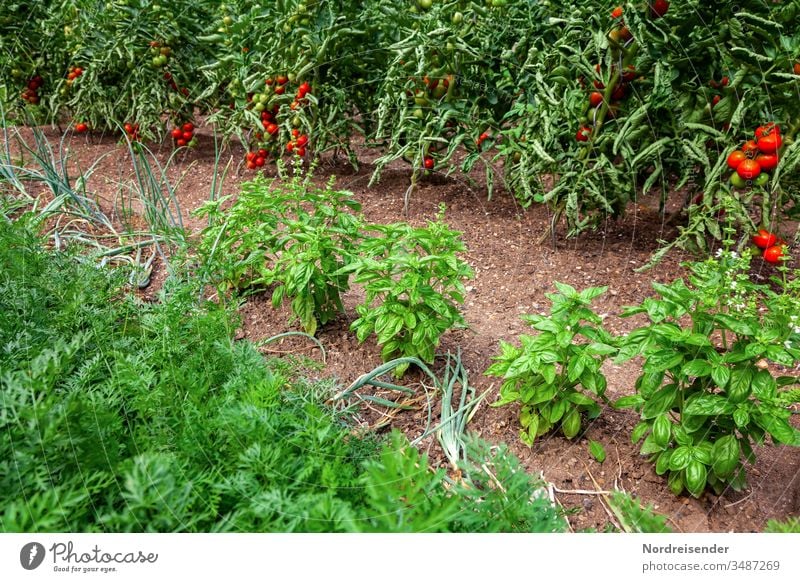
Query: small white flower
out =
(734, 255)
(719, 253)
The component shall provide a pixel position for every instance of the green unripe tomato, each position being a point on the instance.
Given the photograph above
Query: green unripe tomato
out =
(425, 4)
(761, 180)
(737, 181)
(458, 18)
(418, 113)
(227, 21)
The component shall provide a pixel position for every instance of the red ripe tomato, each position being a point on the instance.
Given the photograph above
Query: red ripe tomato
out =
(290, 147)
(629, 74)
(735, 158)
(260, 161)
(268, 82)
(769, 144)
(748, 169)
(300, 151)
(619, 93)
(625, 34)
(773, 254)
(187, 135)
(724, 81)
(764, 239)
(302, 140)
(271, 128)
(71, 76)
(251, 165)
(177, 133)
(282, 79)
(128, 128)
(303, 90)
(81, 128)
(617, 12)
(767, 161)
(583, 133)
(250, 156)
(181, 142)
(280, 90)
(715, 100)
(767, 129)
(188, 126)
(659, 8)
(295, 132)
(595, 98)
(262, 153)
(750, 148)
(428, 163)
(598, 85)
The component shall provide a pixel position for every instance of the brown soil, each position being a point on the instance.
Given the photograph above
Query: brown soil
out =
(512, 274)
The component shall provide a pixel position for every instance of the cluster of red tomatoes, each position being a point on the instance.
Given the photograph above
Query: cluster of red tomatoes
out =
(756, 157)
(184, 135)
(300, 98)
(772, 246)
(73, 73)
(298, 143)
(596, 97)
(268, 121)
(260, 103)
(279, 83)
(132, 131)
(31, 92)
(255, 160)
